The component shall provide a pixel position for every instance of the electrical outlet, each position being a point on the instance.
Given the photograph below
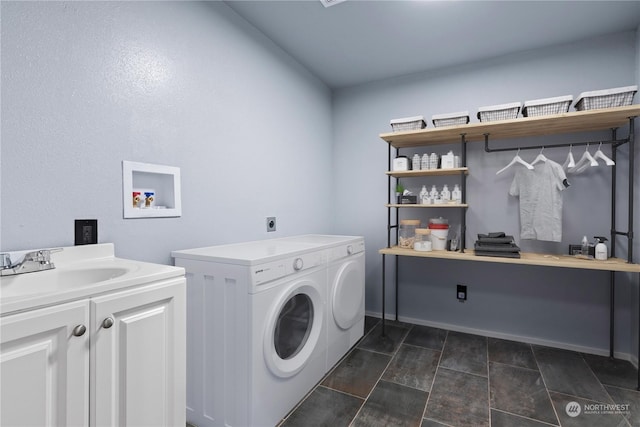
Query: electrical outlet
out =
(461, 293)
(271, 223)
(86, 231)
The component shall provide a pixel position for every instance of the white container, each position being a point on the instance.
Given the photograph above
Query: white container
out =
(447, 161)
(434, 193)
(424, 194)
(456, 194)
(445, 194)
(433, 161)
(608, 98)
(439, 232)
(439, 239)
(499, 112)
(423, 240)
(401, 163)
(547, 106)
(450, 119)
(415, 162)
(424, 162)
(408, 123)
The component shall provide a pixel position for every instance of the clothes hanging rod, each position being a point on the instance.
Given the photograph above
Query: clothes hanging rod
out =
(616, 142)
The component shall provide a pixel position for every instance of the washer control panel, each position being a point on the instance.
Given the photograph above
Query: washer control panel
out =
(346, 250)
(267, 272)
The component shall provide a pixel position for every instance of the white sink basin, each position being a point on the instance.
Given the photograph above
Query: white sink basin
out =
(90, 275)
(81, 272)
(58, 279)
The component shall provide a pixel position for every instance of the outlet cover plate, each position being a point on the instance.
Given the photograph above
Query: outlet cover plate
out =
(86, 231)
(271, 223)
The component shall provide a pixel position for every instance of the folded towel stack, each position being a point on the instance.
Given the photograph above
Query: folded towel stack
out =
(497, 244)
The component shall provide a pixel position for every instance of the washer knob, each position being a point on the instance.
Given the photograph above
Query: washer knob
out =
(298, 264)
(349, 250)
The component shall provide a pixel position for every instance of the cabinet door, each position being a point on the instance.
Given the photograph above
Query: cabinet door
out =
(44, 367)
(138, 357)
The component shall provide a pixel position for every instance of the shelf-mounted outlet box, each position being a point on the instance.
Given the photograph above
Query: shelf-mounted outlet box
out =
(150, 190)
(461, 293)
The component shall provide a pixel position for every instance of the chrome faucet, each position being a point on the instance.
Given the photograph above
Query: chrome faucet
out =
(39, 260)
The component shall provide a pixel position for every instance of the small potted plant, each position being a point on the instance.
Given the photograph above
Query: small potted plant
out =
(399, 192)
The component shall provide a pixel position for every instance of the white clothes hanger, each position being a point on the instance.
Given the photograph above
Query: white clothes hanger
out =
(570, 162)
(600, 155)
(540, 158)
(585, 161)
(516, 159)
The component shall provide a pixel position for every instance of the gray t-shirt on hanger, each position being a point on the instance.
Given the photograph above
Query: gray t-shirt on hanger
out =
(540, 193)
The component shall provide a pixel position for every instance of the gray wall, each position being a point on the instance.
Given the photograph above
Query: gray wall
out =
(533, 303)
(86, 85)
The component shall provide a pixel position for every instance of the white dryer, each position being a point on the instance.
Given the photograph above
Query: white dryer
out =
(256, 339)
(345, 298)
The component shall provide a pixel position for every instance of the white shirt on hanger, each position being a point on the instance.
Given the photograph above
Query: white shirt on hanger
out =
(540, 193)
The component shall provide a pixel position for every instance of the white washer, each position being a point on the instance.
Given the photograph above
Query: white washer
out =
(345, 290)
(256, 339)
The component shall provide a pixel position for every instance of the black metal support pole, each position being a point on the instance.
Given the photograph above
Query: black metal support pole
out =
(612, 299)
(384, 275)
(614, 152)
(638, 349)
(463, 185)
(384, 258)
(631, 186)
(397, 259)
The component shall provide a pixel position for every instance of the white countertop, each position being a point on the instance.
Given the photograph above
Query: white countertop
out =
(81, 272)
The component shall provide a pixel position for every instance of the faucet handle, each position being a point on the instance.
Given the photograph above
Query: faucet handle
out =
(41, 255)
(5, 260)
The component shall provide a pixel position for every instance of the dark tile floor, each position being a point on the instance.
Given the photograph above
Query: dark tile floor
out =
(428, 377)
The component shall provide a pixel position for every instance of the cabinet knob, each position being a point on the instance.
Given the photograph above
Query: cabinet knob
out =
(107, 323)
(79, 330)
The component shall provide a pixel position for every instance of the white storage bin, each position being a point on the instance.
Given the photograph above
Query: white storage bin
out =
(450, 119)
(608, 98)
(408, 123)
(499, 112)
(547, 106)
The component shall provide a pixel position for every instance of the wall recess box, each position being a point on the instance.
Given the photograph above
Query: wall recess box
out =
(150, 191)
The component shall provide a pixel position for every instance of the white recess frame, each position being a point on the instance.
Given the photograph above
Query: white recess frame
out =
(163, 180)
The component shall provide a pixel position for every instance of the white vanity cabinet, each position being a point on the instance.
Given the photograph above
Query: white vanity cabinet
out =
(44, 367)
(126, 369)
(138, 346)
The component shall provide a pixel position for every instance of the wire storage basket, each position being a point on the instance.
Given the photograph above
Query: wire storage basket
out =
(450, 119)
(499, 112)
(547, 106)
(608, 98)
(408, 123)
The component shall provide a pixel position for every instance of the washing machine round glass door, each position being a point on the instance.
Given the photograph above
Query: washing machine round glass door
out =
(293, 328)
(348, 294)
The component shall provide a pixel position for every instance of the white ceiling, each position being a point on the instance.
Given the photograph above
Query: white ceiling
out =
(358, 41)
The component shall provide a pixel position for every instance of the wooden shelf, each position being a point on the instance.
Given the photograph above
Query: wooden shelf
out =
(578, 121)
(527, 258)
(417, 205)
(428, 172)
